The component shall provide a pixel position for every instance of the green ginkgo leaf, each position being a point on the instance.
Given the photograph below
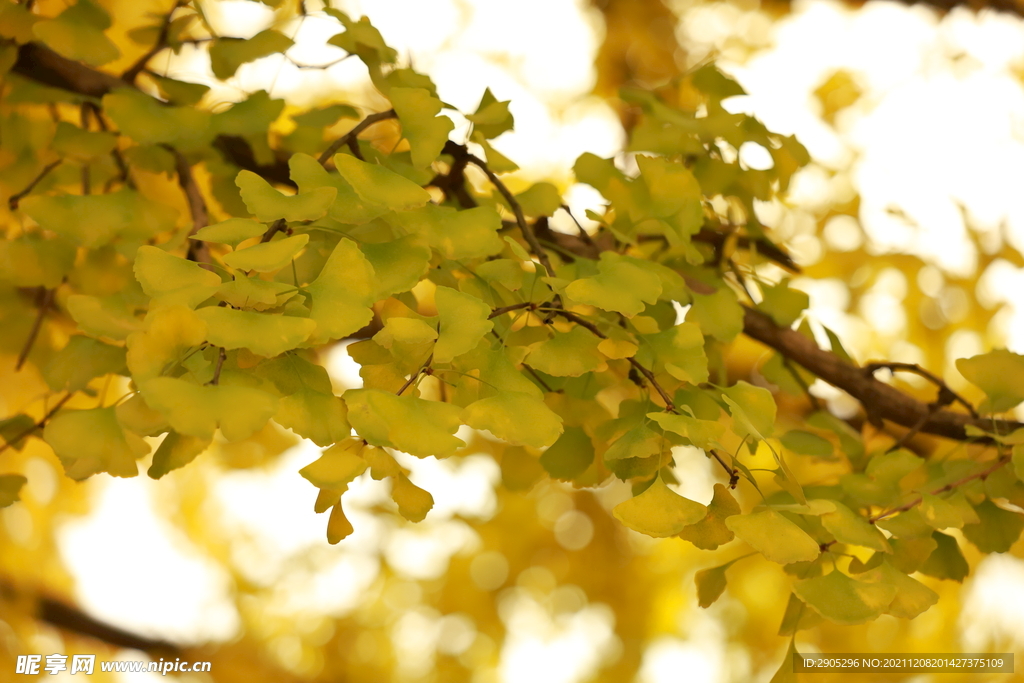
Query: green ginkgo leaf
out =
(704, 434)
(464, 320)
(912, 597)
(106, 317)
(267, 257)
(996, 373)
(753, 410)
(233, 231)
(568, 354)
(398, 264)
(711, 584)
(171, 280)
(519, 419)
(307, 405)
(426, 132)
(849, 527)
(380, 186)
(97, 219)
(659, 511)
(147, 121)
(806, 443)
(348, 206)
(569, 456)
(541, 199)
(227, 54)
(621, 286)
(455, 234)
(405, 331)
(774, 536)
(492, 118)
(199, 411)
(176, 451)
(28, 261)
(77, 33)
(10, 488)
(679, 351)
(267, 204)
(262, 333)
(82, 145)
(843, 600)
(92, 441)
(81, 360)
(413, 425)
(719, 314)
(254, 293)
(342, 293)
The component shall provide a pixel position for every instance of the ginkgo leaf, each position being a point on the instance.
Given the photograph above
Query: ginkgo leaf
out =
(92, 441)
(233, 231)
(455, 234)
(398, 265)
(569, 456)
(704, 434)
(342, 294)
(14, 429)
(198, 411)
(621, 286)
(262, 333)
(148, 121)
(519, 419)
(102, 317)
(348, 206)
(568, 354)
(849, 527)
(997, 529)
(774, 536)
(77, 33)
(413, 502)
(336, 467)
(492, 118)
(380, 186)
(843, 600)
(413, 425)
(679, 351)
(307, 405)
(659, 511)
(82, 359)
(176, 451)
(782, 304)
(806, 443)
(267, 204)
(338, 526)
(28, 261)
(405, 331)
(180, 92)
(136, 416)
(361, 38)
(711, 584)
(168, 334)
(946, 560)
(254, 293)
(711, 532)
(227, 54)
(753, 410)
(426, 132)
(639, 442)
(82, 145)
(171, 280)
(541, 199)
(10, 488)
(267, 257)
(719, 315)
(95, 220)
(996, 374)
(464, 320)
(912, 597)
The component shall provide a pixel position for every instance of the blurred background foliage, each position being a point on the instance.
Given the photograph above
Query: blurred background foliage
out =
(907, 226)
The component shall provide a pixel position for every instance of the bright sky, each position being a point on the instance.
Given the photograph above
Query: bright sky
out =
(925, 80)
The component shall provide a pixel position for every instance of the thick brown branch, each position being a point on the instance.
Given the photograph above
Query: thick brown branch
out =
(351, 138)
(879, 398)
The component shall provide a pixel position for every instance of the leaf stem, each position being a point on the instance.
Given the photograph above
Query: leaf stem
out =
(37, 425)
(351, 138)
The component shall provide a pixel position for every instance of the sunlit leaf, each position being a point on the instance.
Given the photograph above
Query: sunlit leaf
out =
(659, 511)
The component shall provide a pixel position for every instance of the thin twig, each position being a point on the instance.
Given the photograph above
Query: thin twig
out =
(351, 138)
(275, 227)
(135, 69)
(14, 199)
(1002, 460)
(514, 307)
(733, 472)
(45, 300)
(221, 357)
(37, 425)
(584, 235)
(408, 382)
(569, 315)
(458, 151)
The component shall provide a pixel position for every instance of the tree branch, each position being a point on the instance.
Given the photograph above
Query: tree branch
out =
(45, 300)
(37, 425)
(197, 249)
(135, 69)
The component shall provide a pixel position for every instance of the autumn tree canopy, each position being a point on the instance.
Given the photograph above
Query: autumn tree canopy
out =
(174, 273)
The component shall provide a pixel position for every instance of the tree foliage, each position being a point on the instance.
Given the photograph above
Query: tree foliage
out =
(174, 272)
